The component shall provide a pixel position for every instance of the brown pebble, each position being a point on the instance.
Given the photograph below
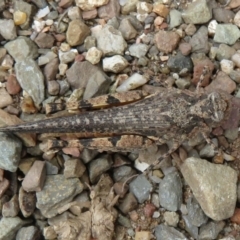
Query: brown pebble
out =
(4, 184)
(60, 37)
(89, 14)
(27, 202)
(13, 87)
(11, 208)
(65, 3)
(79, 58)
(185, 48)
(27, 105)
(236, 216)
(35, 177)
(149, 209)
(134, 216)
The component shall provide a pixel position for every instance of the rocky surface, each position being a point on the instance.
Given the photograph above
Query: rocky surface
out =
(68, 50)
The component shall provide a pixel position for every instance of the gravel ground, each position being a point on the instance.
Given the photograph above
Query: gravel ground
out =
(65, 50)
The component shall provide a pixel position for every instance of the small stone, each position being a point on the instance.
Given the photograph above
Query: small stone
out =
(8, 29)
(77, 32)
(127, 29)
(43, 12)
(128, 204)
(94, 55)
(211, 230)
(19, 17)
(89, 42)
(67, 57)
(197, 12)
(138, 50)
(11, 208)
(160, 9)
(143, 235)
(4, 184)
(170, 191)
(27, 202)
(175, 18)
(27, 8)
(223, 15)
(182, 83)
(11, 148)
(105, 43)
(9, 227)
(135, 81)
(190, 29)
(44, 40)
(185, 48)
(51, 69)
(27, 105)
(237, 19)
(216, 196)
(165, 232)
(31, 79)
(179, 62)
(171, 218)
(227, 66)
(235, 75)
(222, 82)
(86, 5)
(114, 64)
(141, 188)
(208, 151)
(73, 168)
(199, 41)
(6, 99)
(35, 177)
(166, 41)
(57, 185)
(236, 216)
(149, 210)
(226, 33)
(109, 10)
(74, 13)
(7, 63)
(65, 3)
(123, 173)
(98, 166)
(225, 52)
(28, 232)
(22, 48)
(53, 88)
(212, 27)
(89, 14)
(236, 59)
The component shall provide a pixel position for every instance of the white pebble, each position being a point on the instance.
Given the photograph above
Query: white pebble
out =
(141, 166)
(227, 66)
(43, 12)
(49, 22)
(94, 55)
(38, 25)
(135, 81)
(114, 64)
(212, 27)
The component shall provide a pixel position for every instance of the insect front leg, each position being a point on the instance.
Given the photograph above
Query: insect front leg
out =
(124, 143)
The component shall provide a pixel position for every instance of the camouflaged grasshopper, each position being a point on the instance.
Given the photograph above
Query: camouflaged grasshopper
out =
(167, 115)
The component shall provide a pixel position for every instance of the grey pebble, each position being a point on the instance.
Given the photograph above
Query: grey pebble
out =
(22, 48)
(138, 50)
(141, 188)
(9, 227)
(98, 166)
(11, 148)
(29, 233)
(122, 173)
(226, 33)
(211, 230)
(31, 79)
(57, 192)
(170, 191)
(179, 62)
(163, 232)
